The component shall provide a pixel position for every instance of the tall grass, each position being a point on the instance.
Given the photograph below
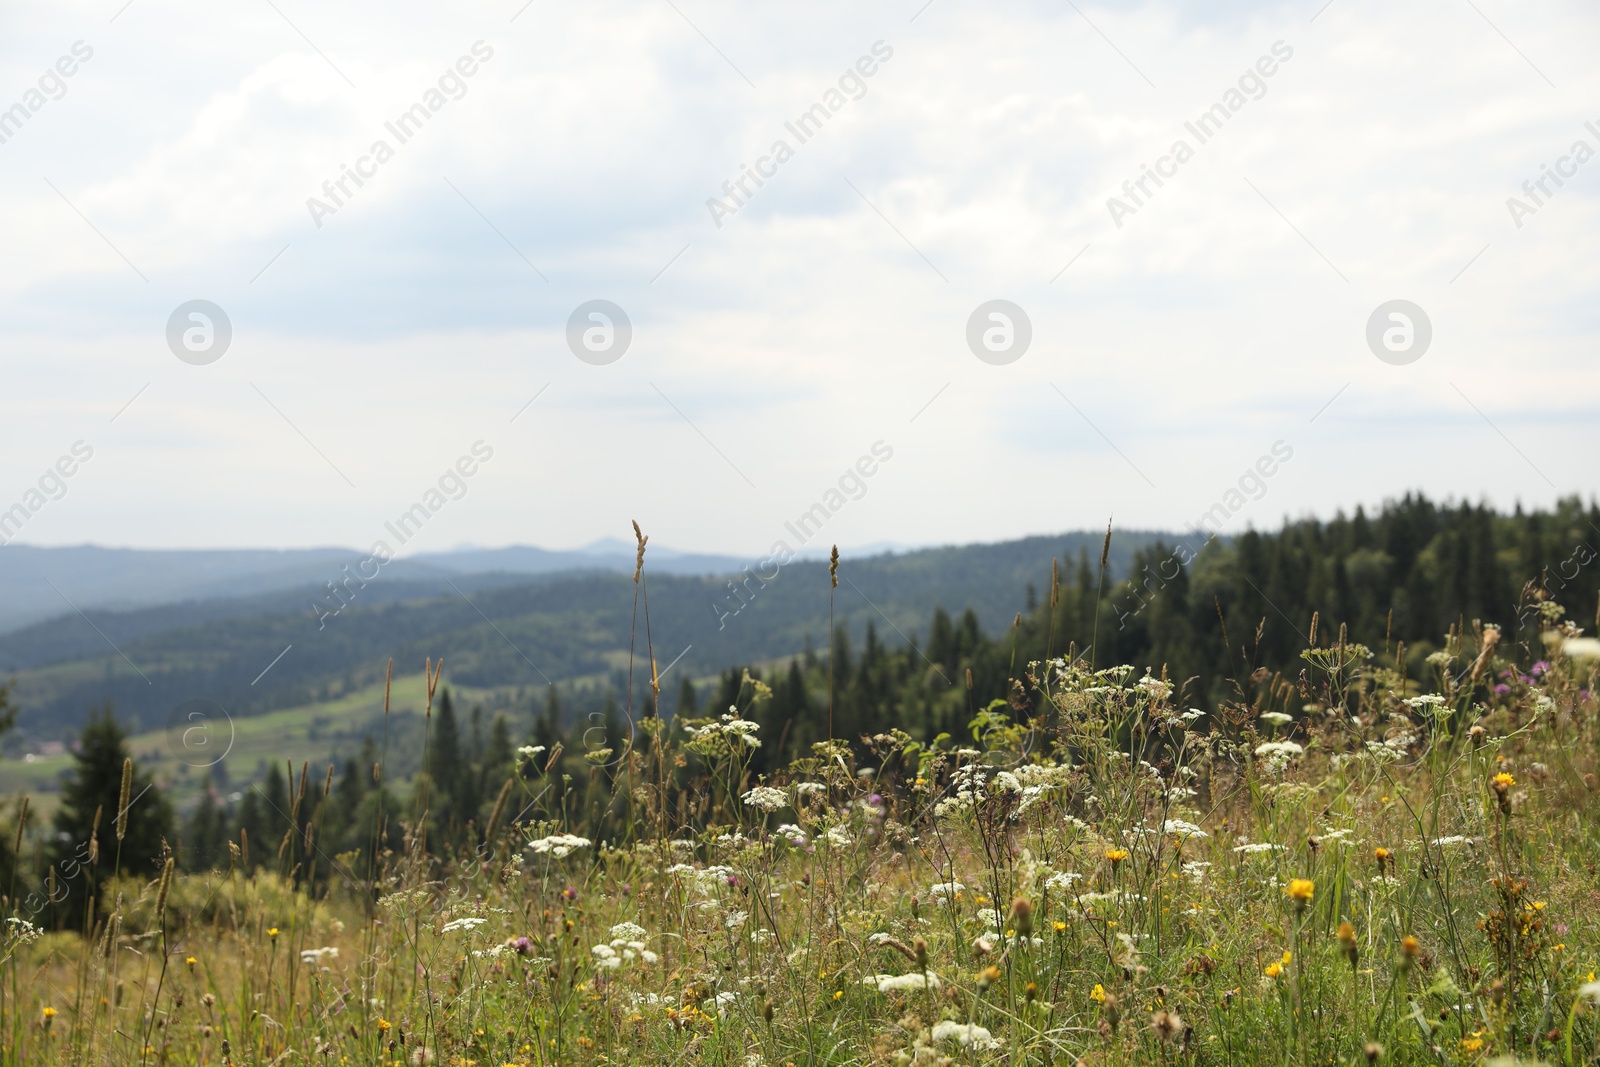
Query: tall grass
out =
(1342, 866)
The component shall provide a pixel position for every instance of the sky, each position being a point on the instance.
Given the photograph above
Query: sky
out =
(1222, 343)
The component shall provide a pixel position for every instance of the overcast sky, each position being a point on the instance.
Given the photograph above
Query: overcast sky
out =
(779, 334)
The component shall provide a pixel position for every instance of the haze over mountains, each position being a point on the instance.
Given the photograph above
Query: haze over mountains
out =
(37, 583)
(148, 630)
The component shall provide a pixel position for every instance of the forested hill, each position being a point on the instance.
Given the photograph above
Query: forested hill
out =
(1397, 580)
(495, 630)
(1405, 573)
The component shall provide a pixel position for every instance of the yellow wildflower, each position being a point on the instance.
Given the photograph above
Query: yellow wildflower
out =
(1116, 855)
(1098, 993)
(1273, 969)
(1300, 890)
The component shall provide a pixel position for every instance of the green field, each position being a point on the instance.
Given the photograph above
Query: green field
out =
(315, 732)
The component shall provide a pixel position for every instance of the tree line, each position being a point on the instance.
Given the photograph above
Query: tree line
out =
(1398, 580)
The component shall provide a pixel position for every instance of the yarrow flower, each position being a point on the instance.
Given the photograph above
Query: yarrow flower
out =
(469, 923)
(558, 845)
(766, 798)
(1430, 704)
(902, 983)
(967, 1035)
(730, 728)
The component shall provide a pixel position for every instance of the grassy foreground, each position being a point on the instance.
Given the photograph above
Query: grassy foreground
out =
(1341, 867)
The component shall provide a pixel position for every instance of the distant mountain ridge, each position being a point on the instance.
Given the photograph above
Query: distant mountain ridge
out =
(40, 583)
(543, 618)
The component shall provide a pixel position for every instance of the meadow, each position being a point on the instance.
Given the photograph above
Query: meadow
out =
(1340, 865)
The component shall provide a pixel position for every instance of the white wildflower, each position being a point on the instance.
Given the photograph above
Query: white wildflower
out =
(1455, 839)
(1276, 718)
(766, 798)
(1430, 704)
(469, 923)
(1154, 687)
(1183, 829)
(1005, 782)
(558, 845)
(1254, 847)
(967, 1035)
(839, 836)
(902, 983)
(628, 932)
(317, 955)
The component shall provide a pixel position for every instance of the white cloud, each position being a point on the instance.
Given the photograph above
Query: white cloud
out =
(808, 326)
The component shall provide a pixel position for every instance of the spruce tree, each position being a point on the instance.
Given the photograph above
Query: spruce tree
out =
(445, 765)
(94, 785)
